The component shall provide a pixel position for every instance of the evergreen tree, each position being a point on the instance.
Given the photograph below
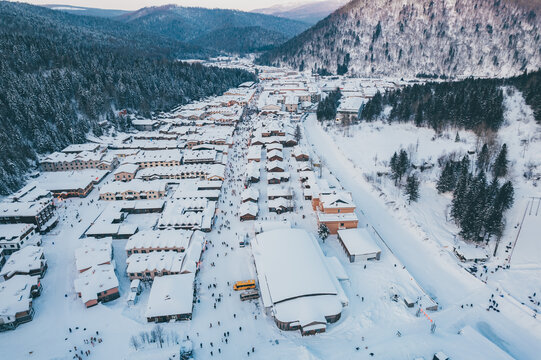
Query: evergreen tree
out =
(412, 188)
(483, 159)
(298, 134)
(447, 180)
(403, 164)
(499, 168)
(323, 232)
(394, 167)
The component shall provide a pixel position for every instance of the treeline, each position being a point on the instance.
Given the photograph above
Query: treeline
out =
(478, 205)
(530, 86)
(326, 108)
(473, 104)
(470, 104)
(59, 79)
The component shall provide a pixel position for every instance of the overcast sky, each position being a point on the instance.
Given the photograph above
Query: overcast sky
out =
(137, 4)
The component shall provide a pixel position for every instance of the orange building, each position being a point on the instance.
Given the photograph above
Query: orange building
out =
(336, 211)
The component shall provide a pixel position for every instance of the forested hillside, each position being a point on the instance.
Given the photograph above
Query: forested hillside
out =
(60, 74)
(475, 104)
(240, 39)
(190, 24)
(405, 38)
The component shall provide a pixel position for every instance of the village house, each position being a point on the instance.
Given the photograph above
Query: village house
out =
(146, 159)
(300, 154)
(250, 194)
(145, 124)
(30, 260)
(277, 177)
(158, 240)
(275, 166)
(358, 245)
(336, 211)
(274, 155)
(254, 153)
(93, 252)
(126, 172)
(280, 205)
(133, 190)
(60, 161)
(278, 191)
(248, 211)
(192, 171)
(253, 173)
(16, 306)
(97, 284)
(154, 264)
(41, 214)
(14, 237)
(201, 157)
(171, 298)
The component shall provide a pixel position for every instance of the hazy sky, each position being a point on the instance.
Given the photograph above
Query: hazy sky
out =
(137, 4)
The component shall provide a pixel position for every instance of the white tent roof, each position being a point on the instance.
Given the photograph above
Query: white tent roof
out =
(292, 264)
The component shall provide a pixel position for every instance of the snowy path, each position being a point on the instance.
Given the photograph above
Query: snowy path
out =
(436, 271)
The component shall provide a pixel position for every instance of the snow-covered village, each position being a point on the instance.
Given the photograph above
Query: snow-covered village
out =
(273, 199)
(240, 226)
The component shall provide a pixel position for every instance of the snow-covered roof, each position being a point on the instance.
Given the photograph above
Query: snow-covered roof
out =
(358, 241)
(96, 280)
(13, 232)
(160, 239)
(23, 261)
(190, 188)
(200, 170)
(157, 260)
(292, 264)
(135, 185)
(15, 296)
(127, 168)
(322, 217)
(275, 152)
(254, 152)
(93, 252)
(171, 295)
(75, 148)
(250, 193)
(337, 200)
(471, 252)
(278, 191)
(248, 208)
(278, 175)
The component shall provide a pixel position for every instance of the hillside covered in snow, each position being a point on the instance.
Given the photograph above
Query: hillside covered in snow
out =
(409, 38)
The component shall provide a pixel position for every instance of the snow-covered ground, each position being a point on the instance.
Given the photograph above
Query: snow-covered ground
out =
(421, 235)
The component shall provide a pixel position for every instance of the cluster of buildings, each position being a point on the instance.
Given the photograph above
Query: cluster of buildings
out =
(24, 216)
(173, 169)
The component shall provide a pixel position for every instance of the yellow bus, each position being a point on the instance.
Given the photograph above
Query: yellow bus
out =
(244, 285)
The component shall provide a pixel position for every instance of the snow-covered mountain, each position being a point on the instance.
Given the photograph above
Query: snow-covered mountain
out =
(406, 38)
(310, 12)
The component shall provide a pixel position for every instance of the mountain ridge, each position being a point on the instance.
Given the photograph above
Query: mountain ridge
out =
(390, 37)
